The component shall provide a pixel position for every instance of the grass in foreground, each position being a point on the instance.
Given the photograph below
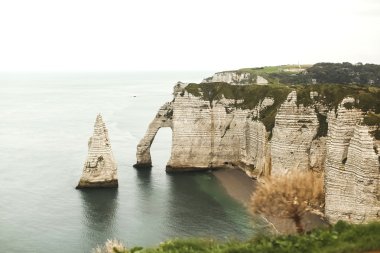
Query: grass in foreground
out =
(341, 238)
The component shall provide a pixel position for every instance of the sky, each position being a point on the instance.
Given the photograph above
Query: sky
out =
(124, 35)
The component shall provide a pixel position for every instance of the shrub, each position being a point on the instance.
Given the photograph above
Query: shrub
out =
(111, 246)
(289, 196)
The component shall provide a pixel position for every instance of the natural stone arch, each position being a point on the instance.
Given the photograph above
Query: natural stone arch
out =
(162, 119)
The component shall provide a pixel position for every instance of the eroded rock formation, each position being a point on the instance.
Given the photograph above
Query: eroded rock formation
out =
(163, 119)
(296, 126)
(351, 170)
(205, 136)
(217, 130)
(100, 169)
(236, 77)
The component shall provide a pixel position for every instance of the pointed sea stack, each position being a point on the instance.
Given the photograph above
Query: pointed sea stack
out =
(100, 169)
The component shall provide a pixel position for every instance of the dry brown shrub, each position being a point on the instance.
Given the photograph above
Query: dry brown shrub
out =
(111, 246)
(289, 196)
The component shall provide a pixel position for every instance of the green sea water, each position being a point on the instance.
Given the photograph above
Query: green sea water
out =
(45, 122)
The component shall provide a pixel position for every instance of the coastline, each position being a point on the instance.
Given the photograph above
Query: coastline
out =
(240, 187)
(237, 184)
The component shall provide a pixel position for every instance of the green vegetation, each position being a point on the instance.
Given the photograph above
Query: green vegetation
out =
(324, 72)
(335, 82)
(373, 119)
(244, 96)
(345, 73)
(274, 73)
(322, 127)
(366, 97)
(339, 73)
(341, 238)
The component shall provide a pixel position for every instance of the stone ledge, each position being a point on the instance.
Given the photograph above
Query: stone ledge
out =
(142, 165)
(103, 184)
(180, 169)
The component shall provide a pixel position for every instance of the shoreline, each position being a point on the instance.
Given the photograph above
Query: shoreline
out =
(237, 184)
(240, 187)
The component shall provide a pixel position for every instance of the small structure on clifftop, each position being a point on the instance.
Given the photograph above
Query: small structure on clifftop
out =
(100, 169)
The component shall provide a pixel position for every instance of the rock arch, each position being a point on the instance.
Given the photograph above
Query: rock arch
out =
(163, 119)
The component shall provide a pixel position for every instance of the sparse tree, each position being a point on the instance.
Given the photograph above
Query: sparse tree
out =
(289, 196)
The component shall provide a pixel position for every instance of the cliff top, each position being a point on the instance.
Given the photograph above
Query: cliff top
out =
(324, 72)
(365, 97)
(322, 86)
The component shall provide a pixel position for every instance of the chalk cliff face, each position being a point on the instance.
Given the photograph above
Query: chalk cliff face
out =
(205, 135)
(100, 169)
(235, 77)
(352, 169)
(296, 126)
(231, 77)
(163, 119)
(208, 135)
(217, 131)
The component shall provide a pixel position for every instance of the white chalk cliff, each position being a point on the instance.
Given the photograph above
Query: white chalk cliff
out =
(352, 167)
(210, 134)
(236, 77)
(293, 134)
(100, 169)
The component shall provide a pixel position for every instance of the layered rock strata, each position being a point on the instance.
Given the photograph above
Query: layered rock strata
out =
(293, 134)
(236, 77)
(352, 169)
(231, 77)
(163, 119)
(214, 133)
(205, 136)
(100, 169)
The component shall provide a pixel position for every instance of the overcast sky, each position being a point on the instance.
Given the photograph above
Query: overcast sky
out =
(117, 35)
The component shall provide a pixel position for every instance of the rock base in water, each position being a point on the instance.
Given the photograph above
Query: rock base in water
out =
(104, 184)
(171, 169)
(142, 165)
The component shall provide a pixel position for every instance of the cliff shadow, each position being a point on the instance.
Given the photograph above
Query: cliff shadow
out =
(99, 208)
(199, 206)
(144, 181)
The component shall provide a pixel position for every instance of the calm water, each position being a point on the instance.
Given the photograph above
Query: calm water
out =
(45, 122)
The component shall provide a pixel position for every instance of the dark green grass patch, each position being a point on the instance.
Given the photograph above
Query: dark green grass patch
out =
(341, 238)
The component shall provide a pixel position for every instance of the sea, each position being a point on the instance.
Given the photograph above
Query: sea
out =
(45, 122)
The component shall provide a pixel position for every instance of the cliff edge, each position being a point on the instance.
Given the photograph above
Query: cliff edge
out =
(277, 127)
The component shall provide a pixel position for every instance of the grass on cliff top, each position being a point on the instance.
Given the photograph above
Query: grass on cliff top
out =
(367, 98)
(272, 69)
(341, 238)
(373, 119)
(250, 95)
(244, 96)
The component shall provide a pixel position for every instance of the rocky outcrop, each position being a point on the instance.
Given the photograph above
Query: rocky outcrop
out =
(236, 77)
(205, 136)
(261, 80)
(209, 135)
(351, 170)
(163, 119)
(293, 134)
(272, 134)
(256, 158)
(232, 77)
(100, 169)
